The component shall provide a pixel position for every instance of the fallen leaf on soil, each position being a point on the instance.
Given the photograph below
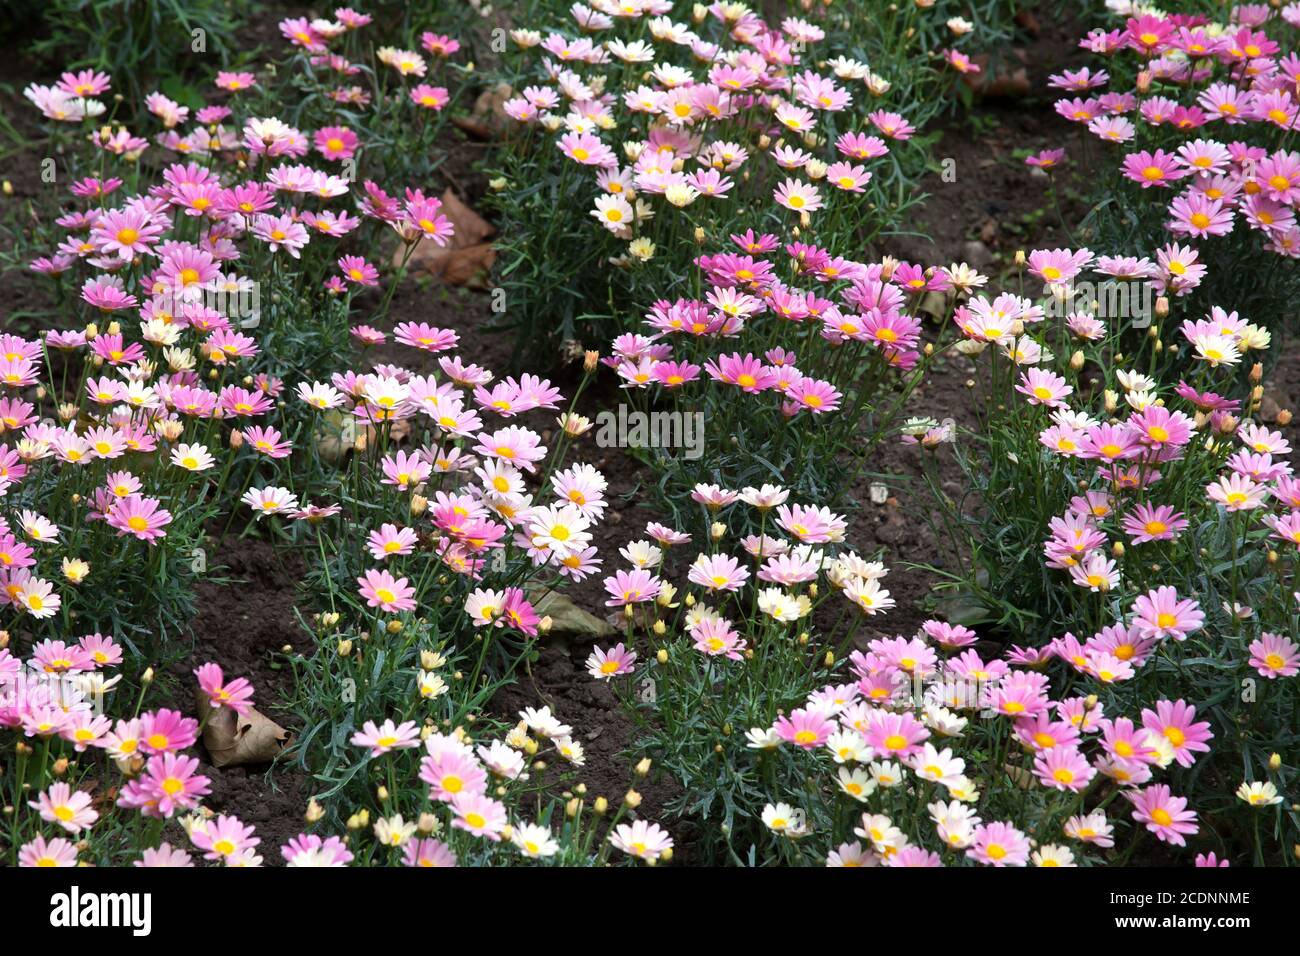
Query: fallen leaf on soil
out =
(339, 433)
(233, 740)
(963, 608)
(567, 618)
(1020, 776)
(643, 617)
(1269, 407)
(488, 119)
(935, 305)
(467, 258)
(1002, 82)
(335, 436)
(1027, 21)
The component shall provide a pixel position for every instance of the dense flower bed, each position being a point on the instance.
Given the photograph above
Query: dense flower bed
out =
(696, 206)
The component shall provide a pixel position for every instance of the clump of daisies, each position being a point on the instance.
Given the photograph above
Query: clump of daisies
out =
(805, 360)
(110, 782)
(475, 802)
(1135, 532)
(1198, 112)
(759, 622)
(685, 133)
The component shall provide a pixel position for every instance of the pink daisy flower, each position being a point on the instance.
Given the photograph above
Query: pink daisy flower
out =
(1163, 814)
(1273, 656)
(169, 783)
(336, 142)
(807, 727)
(718, 572)
(641, 839)
(1063, 768)
(140, 517)
(391, 595)
(390, 541)
(427, 852)
(1176, 722)
(1154, 523)
(164, 856)
(999, 844)
(608, 664)
(1153, 169)
(225, 839)
(236, 694)
(451, 774)
(68, 808)
(631, 587)
(1160, 613)
(358, 271)
(479, 815)
(1043, 387)
(587, 149)
(798, 196)
(43, 853)
(896, 735)
(308, 849)
(430, 97)
(381, 739)
(1046, 159)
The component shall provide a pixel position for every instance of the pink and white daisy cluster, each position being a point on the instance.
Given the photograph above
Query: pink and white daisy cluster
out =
(913, 704)
(679, 124)
(468, 487)
(1202, 120)
(833, 304)
(778, 583)
(55, 697)
(475, 786)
